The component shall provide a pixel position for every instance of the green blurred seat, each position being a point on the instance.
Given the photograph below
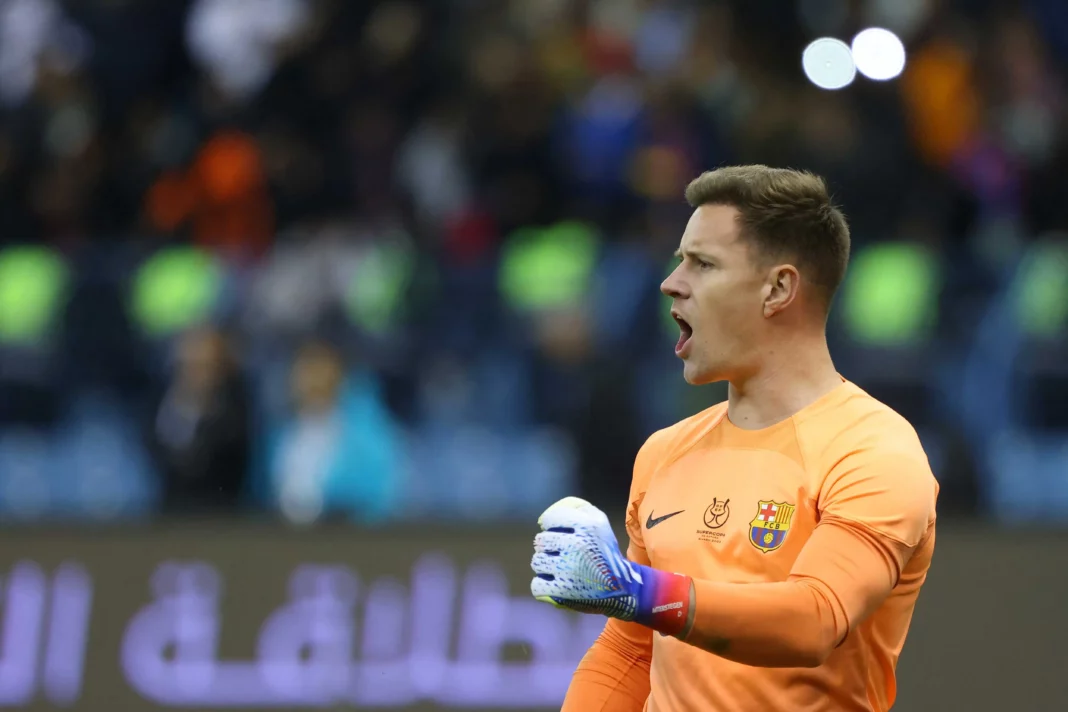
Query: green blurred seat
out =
(175, 289)
(34, 283)
(376, 296)
(890, 295)
(1039, 304)
(885, 317)
(546, 269)
(1041, 290)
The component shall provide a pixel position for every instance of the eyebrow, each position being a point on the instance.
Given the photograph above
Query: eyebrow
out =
(679, 254)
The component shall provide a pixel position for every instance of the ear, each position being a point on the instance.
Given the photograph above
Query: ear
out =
(781, 289)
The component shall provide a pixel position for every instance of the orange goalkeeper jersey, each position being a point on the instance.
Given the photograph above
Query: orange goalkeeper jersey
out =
(837, 501)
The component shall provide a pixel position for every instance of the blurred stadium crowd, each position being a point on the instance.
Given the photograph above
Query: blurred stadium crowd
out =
(392, 259)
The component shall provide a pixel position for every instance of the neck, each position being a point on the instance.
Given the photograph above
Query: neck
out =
(790, 378)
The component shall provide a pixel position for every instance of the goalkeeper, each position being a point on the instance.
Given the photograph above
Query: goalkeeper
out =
(778, 541)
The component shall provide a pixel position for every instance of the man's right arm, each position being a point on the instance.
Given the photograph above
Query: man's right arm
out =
(614, 674)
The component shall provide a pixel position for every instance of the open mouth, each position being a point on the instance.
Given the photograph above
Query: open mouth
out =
(685, 332)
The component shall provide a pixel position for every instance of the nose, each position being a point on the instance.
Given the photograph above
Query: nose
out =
(674, 286)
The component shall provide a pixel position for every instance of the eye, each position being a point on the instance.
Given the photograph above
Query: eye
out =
(705, 264)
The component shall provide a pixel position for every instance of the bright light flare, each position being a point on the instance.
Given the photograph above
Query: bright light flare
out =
(828, 63)
(878, 54)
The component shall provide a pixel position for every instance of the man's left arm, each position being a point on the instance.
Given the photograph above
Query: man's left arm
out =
(873, 515)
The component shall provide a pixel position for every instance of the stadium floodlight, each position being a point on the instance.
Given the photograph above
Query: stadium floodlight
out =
(828, 63)
(878, 53)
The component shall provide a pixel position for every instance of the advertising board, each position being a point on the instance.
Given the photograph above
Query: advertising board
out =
(243, 616)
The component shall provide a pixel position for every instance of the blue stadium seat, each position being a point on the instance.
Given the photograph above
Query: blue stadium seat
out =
(470, 473)
(501, 389)
(492, 389)
(623, 281)
(103, 470)
(1028, 478)
(659, 391)
(27, 474)
(542, 466)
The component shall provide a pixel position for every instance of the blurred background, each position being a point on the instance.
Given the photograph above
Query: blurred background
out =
(391, 268)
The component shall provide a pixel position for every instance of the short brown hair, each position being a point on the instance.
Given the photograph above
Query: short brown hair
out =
(783, 213)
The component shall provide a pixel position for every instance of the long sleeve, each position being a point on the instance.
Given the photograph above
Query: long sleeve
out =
(798, 622)
(614, 674)
(873, 519)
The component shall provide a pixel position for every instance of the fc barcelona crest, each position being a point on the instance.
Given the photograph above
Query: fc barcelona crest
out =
(768, 530)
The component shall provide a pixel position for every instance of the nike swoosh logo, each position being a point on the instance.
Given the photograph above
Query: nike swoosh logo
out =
(650, 522)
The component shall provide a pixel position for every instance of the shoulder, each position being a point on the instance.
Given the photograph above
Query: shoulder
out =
(855, 423)
(873, 467)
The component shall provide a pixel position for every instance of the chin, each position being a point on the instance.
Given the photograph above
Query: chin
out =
(697, 376)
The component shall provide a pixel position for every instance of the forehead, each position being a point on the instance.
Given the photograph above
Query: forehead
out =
(712, 228)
